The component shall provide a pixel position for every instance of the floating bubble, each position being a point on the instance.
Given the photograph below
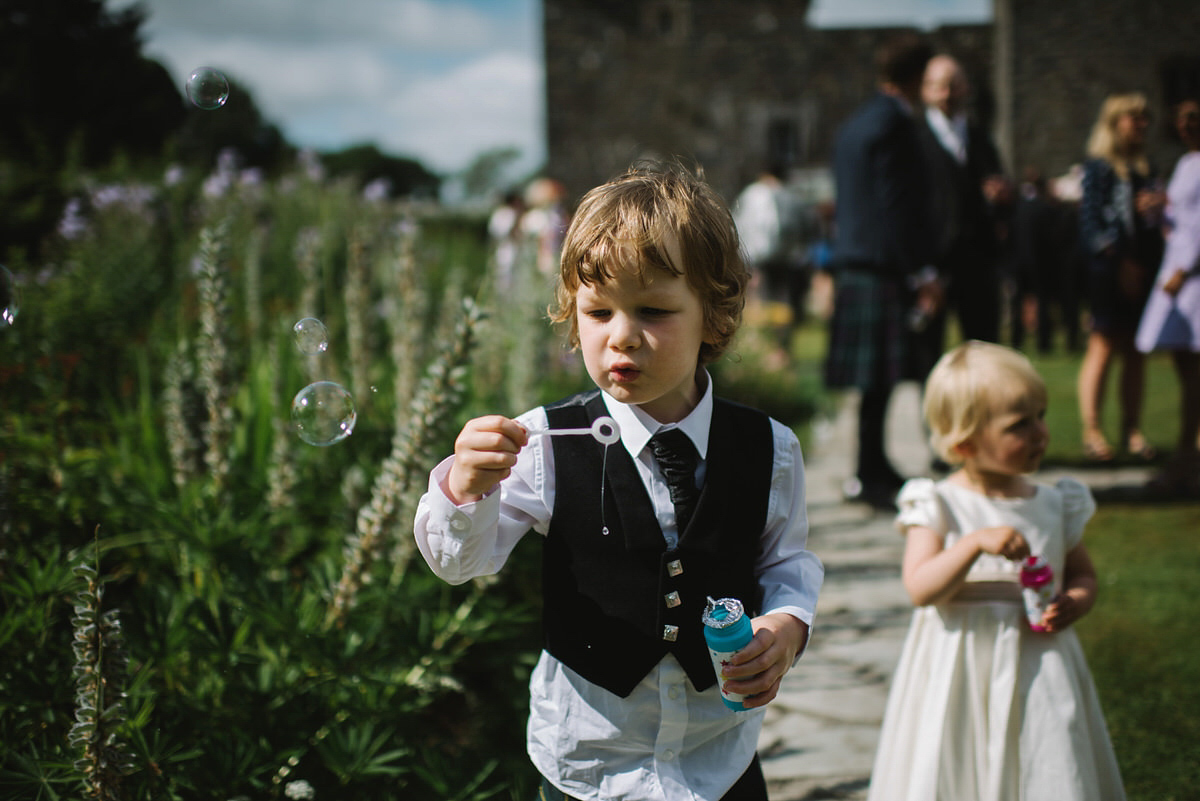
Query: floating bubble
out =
(311, 335)
(9, 297)
(207, 88)
(323, 413)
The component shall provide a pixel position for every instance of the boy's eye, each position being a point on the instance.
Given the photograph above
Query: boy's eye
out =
(597, 314)
(651, 311)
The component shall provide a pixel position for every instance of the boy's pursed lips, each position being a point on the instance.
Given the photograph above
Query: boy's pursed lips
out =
(624, 372)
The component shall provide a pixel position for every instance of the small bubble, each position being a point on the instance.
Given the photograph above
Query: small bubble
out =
(10, 300)
(323, 413)
(207, 88)
(311, 335)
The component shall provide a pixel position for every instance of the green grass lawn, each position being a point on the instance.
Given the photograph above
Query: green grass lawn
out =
(1160, 412)
(1142, 644)
(1142, 638)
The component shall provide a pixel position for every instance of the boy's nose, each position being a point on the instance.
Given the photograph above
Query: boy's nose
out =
(625, 333)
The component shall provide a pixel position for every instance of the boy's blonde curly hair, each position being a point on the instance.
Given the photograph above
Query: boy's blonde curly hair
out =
(627, 223)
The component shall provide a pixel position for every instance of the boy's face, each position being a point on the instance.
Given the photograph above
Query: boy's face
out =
(641, 343)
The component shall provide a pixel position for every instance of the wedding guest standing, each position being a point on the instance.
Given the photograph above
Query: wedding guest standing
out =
(1171, 321)
(881, 270)
(1120, 220)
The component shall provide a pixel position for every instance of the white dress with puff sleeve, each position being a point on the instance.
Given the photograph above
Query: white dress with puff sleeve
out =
(982, 707)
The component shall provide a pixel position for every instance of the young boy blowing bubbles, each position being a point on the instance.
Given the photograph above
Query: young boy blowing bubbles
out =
(625, 703)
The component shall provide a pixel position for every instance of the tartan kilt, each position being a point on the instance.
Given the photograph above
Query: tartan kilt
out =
(869, 341)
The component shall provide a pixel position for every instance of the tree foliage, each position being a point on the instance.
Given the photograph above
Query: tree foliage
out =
(78, 92)
(366, 162)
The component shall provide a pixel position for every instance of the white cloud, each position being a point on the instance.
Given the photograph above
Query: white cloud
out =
(420, 25)
(435, 80)
(445, 120)
(492, 102)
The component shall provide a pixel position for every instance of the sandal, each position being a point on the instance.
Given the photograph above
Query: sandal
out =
(1096, 447)
(1137, 446)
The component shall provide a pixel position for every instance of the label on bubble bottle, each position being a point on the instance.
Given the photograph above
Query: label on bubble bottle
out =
(727, 630)
(1037, 590)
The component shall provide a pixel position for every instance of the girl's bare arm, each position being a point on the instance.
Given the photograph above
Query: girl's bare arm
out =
(933, 574)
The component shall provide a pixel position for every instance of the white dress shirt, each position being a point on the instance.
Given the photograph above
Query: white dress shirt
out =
(950, 131)
(665, 741)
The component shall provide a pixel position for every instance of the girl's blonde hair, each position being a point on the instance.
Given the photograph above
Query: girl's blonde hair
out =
(1103, 142)
(970, 384)
(627, 223)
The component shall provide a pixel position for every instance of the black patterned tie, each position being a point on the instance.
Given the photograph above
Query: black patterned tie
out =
(677, 459)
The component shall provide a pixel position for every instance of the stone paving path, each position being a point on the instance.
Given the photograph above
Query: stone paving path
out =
(820, 734)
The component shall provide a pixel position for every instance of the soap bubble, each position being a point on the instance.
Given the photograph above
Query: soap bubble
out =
(207, 89)
(9, 297)
(311, 335)
(323, 413)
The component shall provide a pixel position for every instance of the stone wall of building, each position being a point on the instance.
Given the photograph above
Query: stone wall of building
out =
(736, 84)
(1068, 55)
(730, 84)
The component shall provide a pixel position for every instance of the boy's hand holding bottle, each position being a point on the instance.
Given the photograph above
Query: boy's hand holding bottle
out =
(484, 454)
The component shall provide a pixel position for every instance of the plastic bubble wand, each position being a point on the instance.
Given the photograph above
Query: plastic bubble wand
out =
(605, 431)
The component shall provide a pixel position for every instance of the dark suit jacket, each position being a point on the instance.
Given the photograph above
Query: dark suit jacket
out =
(963, 226)
(881, 211)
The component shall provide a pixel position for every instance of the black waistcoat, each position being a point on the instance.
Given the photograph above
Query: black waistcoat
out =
(616, 603)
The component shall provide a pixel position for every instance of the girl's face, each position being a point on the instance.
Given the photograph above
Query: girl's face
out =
(641, 342)
(1131, 127)
(1011, 443)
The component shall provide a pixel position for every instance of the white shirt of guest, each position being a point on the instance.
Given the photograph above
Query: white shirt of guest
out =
(665, 741)
(950, 131)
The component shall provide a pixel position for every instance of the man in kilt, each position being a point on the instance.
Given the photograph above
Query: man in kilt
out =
(885, 290)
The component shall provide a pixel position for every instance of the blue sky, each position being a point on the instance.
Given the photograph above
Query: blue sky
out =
(437, 80)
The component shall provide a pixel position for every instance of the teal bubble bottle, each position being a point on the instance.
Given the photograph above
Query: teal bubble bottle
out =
(726, 630)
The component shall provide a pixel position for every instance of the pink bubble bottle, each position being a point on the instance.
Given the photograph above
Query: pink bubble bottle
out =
(1037, 589)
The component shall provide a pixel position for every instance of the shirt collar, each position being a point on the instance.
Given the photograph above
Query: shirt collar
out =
(950, 131)
(637, 427)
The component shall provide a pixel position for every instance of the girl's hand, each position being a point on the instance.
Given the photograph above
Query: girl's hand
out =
(1062, 612)
(484, 454)
(1003, 541)
(1078, 593)
(757, 670)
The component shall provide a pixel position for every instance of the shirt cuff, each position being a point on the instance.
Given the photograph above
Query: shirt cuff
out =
(451, 529)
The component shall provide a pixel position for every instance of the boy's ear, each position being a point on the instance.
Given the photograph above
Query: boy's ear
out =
(965, 448)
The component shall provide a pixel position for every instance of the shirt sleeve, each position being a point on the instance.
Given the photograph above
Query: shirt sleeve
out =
(460, 543)
(789, 574)
(1078, 508)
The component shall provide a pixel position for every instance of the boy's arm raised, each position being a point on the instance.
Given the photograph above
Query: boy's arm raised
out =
(462, 529)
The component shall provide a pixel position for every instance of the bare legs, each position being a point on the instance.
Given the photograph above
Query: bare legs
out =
(1102, 349)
